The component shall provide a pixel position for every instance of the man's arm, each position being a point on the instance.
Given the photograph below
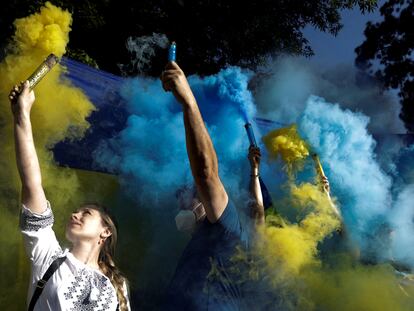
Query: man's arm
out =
(200, 149)
(33, 195)
(256, 205)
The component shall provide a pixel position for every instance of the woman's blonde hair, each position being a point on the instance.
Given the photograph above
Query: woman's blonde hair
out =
(106, 256)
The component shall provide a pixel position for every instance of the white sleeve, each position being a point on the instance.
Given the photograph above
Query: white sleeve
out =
(40, 240)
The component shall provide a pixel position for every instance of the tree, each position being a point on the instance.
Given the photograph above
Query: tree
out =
(210, 34)
(387, 53)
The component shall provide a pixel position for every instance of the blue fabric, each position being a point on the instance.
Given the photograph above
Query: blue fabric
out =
(105, 92)
(203, 278)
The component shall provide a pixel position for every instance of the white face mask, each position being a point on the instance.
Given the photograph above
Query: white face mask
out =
(185, 221)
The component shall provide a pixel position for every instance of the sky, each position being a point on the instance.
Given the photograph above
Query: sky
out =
(330, 50)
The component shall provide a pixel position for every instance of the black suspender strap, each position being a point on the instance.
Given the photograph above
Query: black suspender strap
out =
(42, 282)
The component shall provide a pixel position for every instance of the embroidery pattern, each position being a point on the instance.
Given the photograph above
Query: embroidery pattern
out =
(31, 222)
(79, 294)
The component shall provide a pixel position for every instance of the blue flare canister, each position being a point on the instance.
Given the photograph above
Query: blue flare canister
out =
(267, 199)
(172, 52)
(250, 134)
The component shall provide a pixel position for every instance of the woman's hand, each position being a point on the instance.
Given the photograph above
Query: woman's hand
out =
(21, 99)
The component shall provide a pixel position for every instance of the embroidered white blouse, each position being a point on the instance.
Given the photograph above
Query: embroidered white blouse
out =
(74, 286)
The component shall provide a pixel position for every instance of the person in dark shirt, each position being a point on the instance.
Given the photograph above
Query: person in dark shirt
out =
(203, 279)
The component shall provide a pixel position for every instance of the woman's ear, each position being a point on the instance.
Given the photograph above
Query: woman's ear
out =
(105, 233)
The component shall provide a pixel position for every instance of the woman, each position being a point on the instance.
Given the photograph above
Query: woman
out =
(84, 277)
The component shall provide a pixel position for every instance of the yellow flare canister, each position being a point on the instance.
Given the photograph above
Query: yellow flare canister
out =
(318, 166)
(42, 70)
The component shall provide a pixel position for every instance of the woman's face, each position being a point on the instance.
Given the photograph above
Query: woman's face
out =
(85, 224)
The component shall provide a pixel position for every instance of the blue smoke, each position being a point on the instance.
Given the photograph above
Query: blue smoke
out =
(346, 148)
(289, 81)
(150, 154)
(402, 224)
(401, 216)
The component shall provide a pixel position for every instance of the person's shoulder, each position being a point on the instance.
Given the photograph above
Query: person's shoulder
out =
(229, 219)
(229, 211)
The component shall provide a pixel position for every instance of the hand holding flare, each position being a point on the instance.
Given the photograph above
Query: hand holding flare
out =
(28, 86)
(324, 181)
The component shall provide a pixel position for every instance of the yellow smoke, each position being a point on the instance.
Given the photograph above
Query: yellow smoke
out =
(281, 256)
(285, 257)
(289, 249)
(357, 287)
(59, 112)
(287, 144)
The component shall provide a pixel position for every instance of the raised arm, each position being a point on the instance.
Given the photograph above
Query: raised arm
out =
(33, 195)
(256, 204)
(327, 189)
(200, 149)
